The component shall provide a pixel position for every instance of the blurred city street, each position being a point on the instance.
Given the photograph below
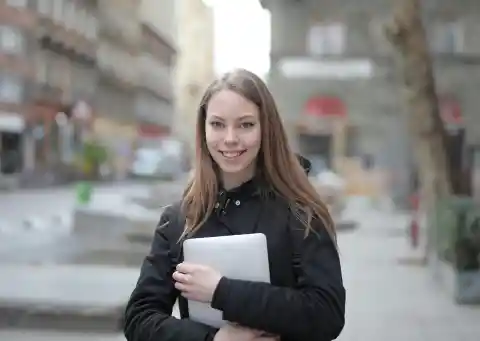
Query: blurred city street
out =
(33, 220)
(387, 299)
(17, 206)
(99, 104)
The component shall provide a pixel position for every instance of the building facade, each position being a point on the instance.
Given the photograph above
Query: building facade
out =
(119, 43)
(155, 100)
(77, 70)
(16, 40)
(195, 64)
(335, 81)
(49, 54)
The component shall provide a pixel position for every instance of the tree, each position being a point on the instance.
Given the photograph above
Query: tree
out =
(407, 34)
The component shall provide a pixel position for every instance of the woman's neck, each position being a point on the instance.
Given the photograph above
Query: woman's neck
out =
(234, 180)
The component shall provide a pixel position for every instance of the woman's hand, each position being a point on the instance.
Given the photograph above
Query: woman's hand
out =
(196, 282)
(232, 332)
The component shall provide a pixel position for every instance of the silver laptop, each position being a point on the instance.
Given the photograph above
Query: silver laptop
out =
(242, 257)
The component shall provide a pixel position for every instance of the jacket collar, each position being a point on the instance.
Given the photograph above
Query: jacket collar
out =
(250, 188)
(256, 186)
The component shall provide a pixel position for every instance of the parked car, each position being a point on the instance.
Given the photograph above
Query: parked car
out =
(166, 160)
(155, 164)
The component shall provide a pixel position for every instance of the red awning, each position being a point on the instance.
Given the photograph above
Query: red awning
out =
(325, 106)
(152, 130)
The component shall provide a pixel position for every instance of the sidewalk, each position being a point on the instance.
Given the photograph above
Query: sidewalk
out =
(388, 300)
(61, 298)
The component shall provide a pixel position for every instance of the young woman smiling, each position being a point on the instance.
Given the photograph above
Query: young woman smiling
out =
(246, 180)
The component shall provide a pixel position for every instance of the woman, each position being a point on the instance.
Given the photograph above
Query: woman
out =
(246, 179)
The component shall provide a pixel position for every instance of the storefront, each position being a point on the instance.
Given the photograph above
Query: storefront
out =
(12, 153)
(54, 134)
(119, 140)
(322, 130)
(150, 134)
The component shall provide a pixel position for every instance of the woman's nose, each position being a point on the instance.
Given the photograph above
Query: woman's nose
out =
(231, 136)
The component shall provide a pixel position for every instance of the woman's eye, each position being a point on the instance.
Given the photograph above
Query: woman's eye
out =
(247, 125)
(216, 124)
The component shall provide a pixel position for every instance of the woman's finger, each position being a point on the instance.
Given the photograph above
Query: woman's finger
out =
(181, 287)
(187, 295)
(186, 267)
(181, 277)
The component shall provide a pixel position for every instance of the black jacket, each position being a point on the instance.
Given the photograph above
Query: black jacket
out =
(304, 302)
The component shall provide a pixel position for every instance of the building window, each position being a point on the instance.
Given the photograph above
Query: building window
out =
(55, 69)
(79, 23)
(69, 15)
(65, 70)
(327, 39)
(91, 29)
(41, 70)
(17, 3)
(84, 81)
(11, 40)
(39, 138)
(447, 37)
(11, 89)
(58, 6)
(44, 7)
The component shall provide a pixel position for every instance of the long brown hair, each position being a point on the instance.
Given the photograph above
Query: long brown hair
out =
(278, 164)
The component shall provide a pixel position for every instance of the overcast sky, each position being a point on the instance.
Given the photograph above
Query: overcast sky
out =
(242, 36)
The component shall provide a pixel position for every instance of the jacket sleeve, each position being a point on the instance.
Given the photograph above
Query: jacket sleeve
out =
(148, 312)
(313, 310)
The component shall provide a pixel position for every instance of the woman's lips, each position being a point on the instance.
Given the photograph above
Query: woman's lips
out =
(232, 154)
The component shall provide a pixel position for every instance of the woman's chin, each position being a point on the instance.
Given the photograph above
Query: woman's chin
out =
(232, 169)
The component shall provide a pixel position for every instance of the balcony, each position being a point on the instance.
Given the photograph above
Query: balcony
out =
(67, 28)
(159, 18)
(72, 17)
(151, 109)
(155, 76)
(117, 64)
(39, 91)
(157, 44)
(120, 27)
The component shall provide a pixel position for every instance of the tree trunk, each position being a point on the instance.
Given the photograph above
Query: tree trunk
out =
(408, 37)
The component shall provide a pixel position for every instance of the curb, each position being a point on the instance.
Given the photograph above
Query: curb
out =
(21, 316)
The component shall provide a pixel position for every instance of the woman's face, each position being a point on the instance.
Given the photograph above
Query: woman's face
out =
(232, 131)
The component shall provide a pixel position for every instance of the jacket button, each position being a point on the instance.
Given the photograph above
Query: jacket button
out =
(237, 202)
(217, 205)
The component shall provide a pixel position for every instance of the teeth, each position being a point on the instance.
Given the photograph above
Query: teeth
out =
(231, 154)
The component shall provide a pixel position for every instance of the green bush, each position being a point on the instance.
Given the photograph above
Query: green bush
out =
(91, 157)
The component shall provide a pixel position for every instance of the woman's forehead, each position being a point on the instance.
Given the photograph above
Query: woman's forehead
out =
(229, 104)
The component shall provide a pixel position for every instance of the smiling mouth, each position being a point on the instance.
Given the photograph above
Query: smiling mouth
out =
(232, 155)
